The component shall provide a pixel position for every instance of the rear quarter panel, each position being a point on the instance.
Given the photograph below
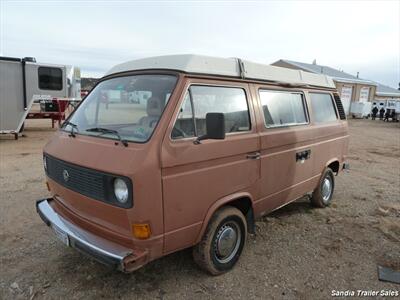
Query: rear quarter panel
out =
(330, 140)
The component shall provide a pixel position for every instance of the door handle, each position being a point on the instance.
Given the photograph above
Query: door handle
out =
(303, 155)
(254, 155)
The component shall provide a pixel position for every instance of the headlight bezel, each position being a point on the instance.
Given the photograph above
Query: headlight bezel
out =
(110, 191)
(121, 190)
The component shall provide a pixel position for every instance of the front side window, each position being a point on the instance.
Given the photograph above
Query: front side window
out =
(282, 108)
(184, 125)
(323, 108)
(128, 106)
(201, 100)
(50, 78)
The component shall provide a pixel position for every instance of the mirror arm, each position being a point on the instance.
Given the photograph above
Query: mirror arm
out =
(199, 139)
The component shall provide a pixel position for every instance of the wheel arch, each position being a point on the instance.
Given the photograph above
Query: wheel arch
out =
(334, 165)
(242, 201)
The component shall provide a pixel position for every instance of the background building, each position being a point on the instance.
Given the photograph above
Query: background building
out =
(351, 88)
(384, 92)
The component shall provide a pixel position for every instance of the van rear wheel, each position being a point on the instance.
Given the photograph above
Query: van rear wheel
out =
(222, 242)
(322, 195)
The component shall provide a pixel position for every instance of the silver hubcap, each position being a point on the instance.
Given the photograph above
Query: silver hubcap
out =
(227, 242)
(326, 189)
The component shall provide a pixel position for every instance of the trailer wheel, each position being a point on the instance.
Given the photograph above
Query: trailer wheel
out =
(322, 195)
(222, 242)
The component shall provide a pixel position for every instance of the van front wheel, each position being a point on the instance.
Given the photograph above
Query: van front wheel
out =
(322, 195)
(223, 241)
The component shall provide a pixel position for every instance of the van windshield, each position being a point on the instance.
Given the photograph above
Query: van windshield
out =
(126, 108)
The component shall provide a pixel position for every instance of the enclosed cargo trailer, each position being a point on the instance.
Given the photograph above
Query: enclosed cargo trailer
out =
(23, 81)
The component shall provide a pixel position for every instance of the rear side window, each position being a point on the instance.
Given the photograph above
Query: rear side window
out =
(201, 100)
(50, 78)
(283, 108)
(323, 108)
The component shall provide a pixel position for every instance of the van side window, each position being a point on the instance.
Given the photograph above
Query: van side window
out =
(283, 108)
(230, 101)
(323, 108)
(50, 78)
(184, 125)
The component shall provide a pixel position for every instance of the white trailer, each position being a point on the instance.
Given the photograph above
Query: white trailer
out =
(23, 82)
(360, 109)
(397, 109)
(389, 104)
(393, 106)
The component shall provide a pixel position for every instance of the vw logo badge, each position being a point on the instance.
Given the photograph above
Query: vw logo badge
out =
(65, 175)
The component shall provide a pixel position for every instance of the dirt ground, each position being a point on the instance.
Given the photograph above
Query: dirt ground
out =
(297, 252)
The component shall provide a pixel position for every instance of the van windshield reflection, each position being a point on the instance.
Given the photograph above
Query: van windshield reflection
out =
(125, 108)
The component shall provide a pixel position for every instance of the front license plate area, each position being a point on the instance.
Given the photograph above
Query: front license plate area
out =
(61, 235)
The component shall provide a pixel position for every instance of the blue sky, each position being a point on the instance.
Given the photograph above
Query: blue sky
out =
(354, 36)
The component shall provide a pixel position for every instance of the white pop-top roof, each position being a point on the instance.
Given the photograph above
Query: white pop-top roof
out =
(232, 67)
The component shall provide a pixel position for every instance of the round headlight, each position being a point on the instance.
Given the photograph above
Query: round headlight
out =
(45, 163)
(121, 190)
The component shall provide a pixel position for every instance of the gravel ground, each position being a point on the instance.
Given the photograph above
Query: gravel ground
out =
(297, 252)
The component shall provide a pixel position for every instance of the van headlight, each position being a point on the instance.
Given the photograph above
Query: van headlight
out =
(121, 190)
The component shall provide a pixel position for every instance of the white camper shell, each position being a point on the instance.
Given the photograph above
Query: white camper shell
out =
(233, 67)
(23, 82)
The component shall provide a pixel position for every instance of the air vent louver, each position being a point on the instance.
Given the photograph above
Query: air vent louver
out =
(339, 105)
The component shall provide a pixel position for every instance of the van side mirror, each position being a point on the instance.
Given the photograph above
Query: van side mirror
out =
(215, 127)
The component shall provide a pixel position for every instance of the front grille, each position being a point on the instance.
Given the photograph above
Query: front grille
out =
(82, 180)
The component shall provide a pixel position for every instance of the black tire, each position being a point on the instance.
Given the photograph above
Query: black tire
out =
(320, 197)
(207, 253)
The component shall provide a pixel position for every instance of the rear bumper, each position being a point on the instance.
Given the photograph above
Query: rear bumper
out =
(100, 249)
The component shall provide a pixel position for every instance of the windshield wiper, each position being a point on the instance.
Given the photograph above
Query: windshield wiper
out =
(73, 126)
(106, 130)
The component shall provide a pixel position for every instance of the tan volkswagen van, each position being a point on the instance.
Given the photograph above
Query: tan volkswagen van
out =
(180, 151)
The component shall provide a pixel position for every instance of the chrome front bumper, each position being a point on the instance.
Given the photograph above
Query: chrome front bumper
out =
(100, 249)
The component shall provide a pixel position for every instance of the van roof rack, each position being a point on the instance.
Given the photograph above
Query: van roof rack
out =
(231, 67)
